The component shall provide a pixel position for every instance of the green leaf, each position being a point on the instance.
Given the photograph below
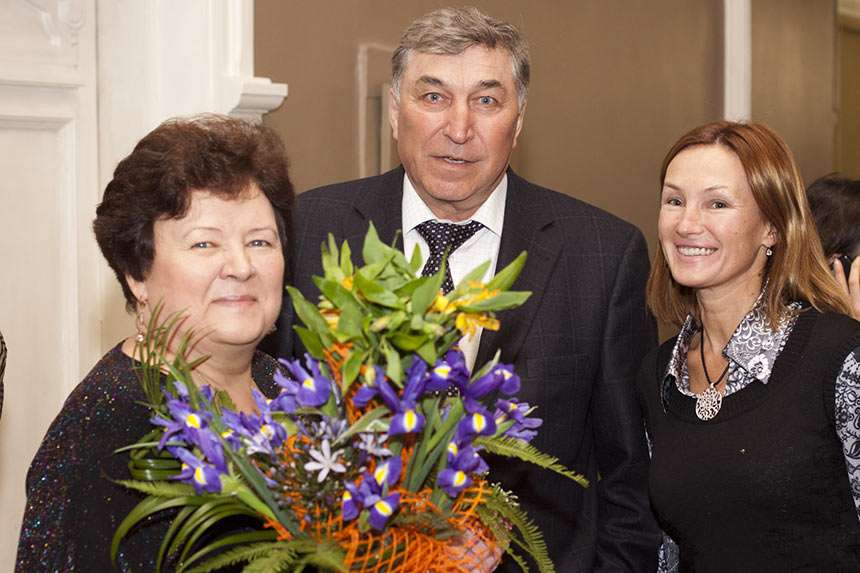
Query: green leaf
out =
(501, 301)
(505, 278)
(532, 539)
(307, 312)
(246, 550)
(375, 293)
(349, 323)
(374, 249)
(346, 266)
(415, 263)
(428, 353)
(311, 340)
(407, 342)
(516, 448)
(159, 488)
(141, 511)
(351, 367)
(424, 294)
(204, 518)
(408, 288)
(330, 265)
(364, 423)
(393, 368)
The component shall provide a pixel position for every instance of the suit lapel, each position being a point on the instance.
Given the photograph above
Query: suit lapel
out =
(528, 226)
(378, 199)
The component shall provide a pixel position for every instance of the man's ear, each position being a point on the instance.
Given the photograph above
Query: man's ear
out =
(520, 116)
(393, 112)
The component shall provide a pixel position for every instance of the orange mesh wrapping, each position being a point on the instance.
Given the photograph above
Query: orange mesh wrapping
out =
(400, 548)
(410, 548)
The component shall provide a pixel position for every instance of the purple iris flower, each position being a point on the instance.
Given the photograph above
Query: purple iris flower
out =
(382, 510)
(453, 481)
(349, 507)
(201, 475)
(212, 451)
(524, 428)
(261, 432)
(500, 378)
(388, 472)
(406, 419)
(371, 491)
(478, 423)
(234, 429)
(369, 390)
(462, 461)
(451, 369)
(313, 388)
(184, 420)
(466, 458)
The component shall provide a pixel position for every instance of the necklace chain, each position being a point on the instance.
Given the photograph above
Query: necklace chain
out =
(705, 366)
(709, 402)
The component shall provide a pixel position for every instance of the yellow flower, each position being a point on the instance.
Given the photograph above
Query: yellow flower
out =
(442, 305)
(331, 316)
(470, 321)
(478, 296)
(347, 283)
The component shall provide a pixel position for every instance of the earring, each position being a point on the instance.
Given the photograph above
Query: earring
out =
(141, 323)
(768, 252)
(273, 328)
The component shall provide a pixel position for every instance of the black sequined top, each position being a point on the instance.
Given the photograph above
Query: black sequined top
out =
(73, 509)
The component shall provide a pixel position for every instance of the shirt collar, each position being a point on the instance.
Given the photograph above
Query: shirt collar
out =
(491, 214)
(753, 347)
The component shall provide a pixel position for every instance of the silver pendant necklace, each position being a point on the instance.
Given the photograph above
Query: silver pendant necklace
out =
(709, 402)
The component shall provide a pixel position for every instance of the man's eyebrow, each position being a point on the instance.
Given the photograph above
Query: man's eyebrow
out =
(488, 84)
(485, 84)
(431, 81)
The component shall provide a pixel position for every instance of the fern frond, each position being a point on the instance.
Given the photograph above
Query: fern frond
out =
(271, 562)
(159, 488)
(516, 448)
(531, 540)
(237, 555)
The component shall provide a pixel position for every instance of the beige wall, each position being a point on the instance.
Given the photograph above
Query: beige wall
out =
(794, 71)
(848, 126)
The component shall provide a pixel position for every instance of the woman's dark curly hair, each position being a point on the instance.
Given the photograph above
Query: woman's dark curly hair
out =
(218, 154)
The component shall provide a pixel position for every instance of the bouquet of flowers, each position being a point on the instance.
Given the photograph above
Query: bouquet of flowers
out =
(369, 459)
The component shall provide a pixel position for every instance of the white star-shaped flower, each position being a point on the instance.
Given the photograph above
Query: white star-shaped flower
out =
(326, 461)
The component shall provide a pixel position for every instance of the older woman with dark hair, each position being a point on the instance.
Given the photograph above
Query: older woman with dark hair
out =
(835, 204)
(196, 218)
(750, 410)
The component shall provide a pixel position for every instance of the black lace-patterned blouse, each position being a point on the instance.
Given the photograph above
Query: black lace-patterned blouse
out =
(73, 507)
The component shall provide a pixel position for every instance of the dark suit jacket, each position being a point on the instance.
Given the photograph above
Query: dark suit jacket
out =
(576, 344)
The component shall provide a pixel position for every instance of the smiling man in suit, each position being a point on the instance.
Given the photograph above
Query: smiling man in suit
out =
(460, 80)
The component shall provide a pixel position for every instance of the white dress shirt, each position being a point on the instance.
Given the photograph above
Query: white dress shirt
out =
(478, 249)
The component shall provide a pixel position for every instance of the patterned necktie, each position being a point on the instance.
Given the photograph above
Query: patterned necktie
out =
(441, 236)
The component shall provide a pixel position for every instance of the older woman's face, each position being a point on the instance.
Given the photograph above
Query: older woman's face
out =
(222, 265)
(711, 230)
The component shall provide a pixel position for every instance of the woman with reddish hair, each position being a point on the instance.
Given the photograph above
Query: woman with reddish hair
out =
(750, 410)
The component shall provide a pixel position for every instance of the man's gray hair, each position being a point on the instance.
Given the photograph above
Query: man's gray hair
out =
(451, 31)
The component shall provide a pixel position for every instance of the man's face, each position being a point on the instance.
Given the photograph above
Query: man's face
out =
(456, 124)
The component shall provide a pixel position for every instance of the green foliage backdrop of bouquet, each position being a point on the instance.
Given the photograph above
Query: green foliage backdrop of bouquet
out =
(370, 457)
